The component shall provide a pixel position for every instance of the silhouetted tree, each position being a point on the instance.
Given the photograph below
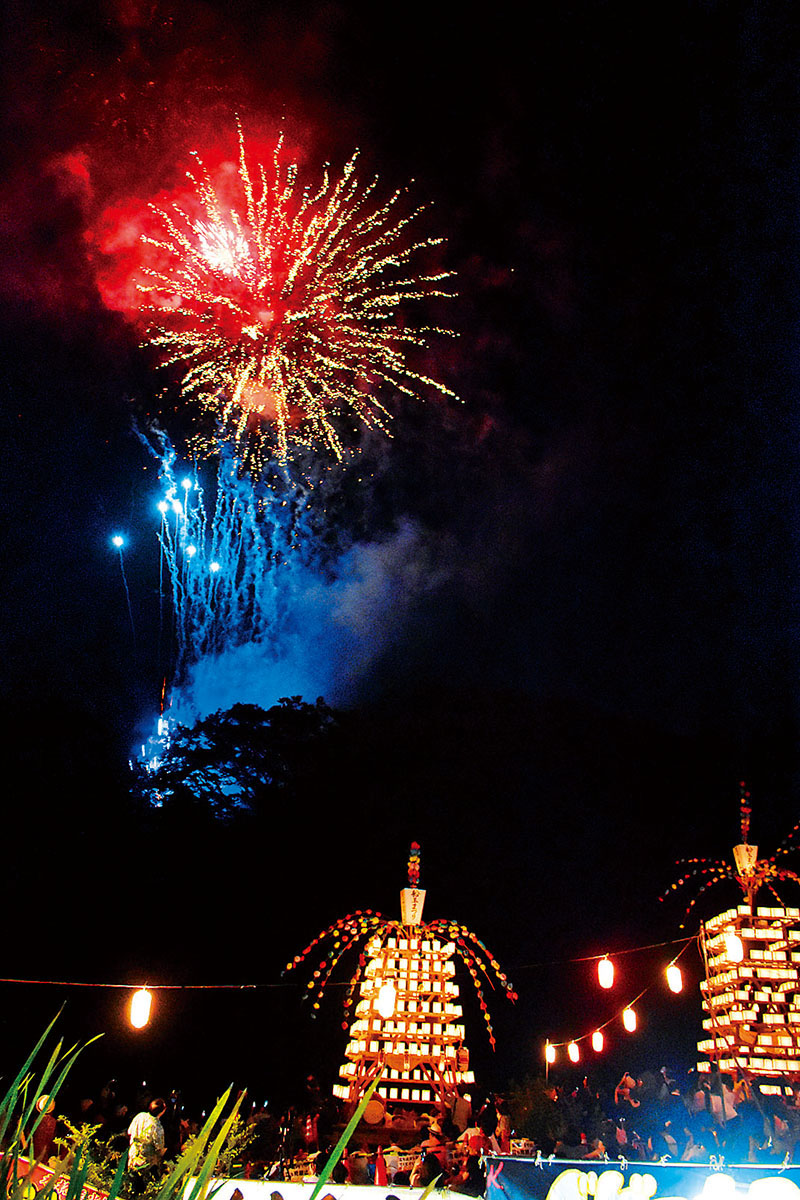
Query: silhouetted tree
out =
(234, 761)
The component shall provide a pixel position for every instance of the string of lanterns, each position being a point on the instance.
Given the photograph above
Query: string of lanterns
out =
(140, 1003)
(627, 1014)
(749, 871)
(139, 1006)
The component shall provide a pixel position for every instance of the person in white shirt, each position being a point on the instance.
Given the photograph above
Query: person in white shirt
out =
(146, 1136)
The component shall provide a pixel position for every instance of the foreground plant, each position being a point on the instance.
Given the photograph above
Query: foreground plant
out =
(188, 1177)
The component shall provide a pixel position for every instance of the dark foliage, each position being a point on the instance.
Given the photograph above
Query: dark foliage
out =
(238, 760)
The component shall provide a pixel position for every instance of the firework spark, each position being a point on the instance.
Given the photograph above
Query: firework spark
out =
(222, 564)
(231, 569)
(285, 307)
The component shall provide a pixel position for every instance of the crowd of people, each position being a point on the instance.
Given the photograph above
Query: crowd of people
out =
(404, 1148)
(446, 1145)
(151, 1129)
(651, 1116)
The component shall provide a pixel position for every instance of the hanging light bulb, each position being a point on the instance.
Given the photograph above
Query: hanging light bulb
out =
(605, 972)
(734, 947)
(549, 1053)
(387, 997)
(629, 1019)
(574, 1052)
(140, 1008)
(674, 978)
(597, 1040)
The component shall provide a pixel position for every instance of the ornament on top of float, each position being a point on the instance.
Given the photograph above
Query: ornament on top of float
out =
(412, 902)
(412, 898)
(745, 856)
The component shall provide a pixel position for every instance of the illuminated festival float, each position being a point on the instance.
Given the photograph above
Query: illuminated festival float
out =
(751, 993)
(406, 1027)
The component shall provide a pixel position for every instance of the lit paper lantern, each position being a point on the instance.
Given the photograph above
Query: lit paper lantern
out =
(597, 1040)
(549, 1053)
(605, 972)
(387, 997)
(674, 978)
(140, 1008)
(574, 1052)
(629, 1019)
(734, 947)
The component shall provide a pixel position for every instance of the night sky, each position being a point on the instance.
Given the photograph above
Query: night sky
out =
(578, 584)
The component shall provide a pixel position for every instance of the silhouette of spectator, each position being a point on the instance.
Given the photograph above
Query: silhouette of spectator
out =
(45, 1131)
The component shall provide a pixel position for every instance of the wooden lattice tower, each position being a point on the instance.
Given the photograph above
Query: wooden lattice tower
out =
(402, 1007)
(751, 994)
(407, 1025)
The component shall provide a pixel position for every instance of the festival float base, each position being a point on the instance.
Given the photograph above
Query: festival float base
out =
(510, 1178)
(265, 1189)
(514, 1178)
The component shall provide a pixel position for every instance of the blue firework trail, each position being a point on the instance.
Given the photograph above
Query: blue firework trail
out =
(225, 563)
(232, 569)
(118, 542)
(264, 592)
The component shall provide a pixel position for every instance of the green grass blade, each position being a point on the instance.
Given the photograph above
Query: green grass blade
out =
(48, 1188)
(430, 1188)
(66, 1063)
(41, 1089)
(200, 1187)
(19, 1118)
(187, 1162)
(43, 1086)
(79, 1173)
(119, 1177)
(338, 1149)
(9, 1100)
